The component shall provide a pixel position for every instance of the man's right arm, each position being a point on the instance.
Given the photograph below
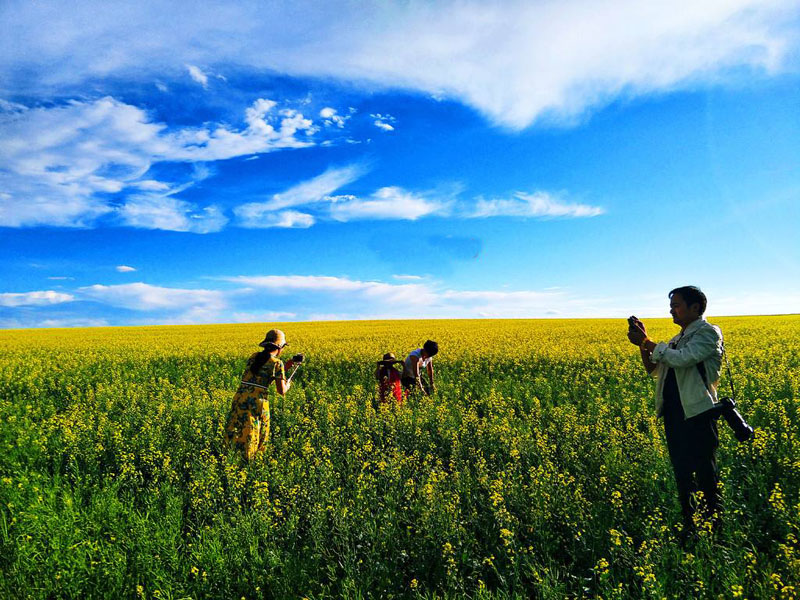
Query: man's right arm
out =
(637, 334)
(649, 365)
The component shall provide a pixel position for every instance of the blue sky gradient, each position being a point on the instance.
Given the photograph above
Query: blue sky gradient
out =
(395, 161)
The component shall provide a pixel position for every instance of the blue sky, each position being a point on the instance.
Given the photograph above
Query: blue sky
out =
(252, 162)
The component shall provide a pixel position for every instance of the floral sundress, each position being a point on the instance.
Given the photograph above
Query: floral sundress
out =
(248, 424)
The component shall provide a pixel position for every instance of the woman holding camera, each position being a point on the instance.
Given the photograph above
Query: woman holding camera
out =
(248, 424)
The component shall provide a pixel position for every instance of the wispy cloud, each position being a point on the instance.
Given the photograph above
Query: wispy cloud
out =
(156, 211)
(331, 117)
(537, 204)
(262, 317)
(515, 61)
(125, 269)
(61, 162)
(388, 203)
(142, 296)
(372, 299)
(369, 290)
(384, 121)
(393, 203)
(408, 277)
(43, 298)
(266, 214)
(196, 73)
(253, 217)
(176, 305)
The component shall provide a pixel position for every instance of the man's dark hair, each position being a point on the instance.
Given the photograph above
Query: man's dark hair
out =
(431, 348)
(692, 295)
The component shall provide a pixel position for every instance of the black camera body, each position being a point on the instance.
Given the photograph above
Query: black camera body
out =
(726, 408)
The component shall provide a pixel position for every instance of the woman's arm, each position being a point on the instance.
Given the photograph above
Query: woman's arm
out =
(282, 384)
(430, 375)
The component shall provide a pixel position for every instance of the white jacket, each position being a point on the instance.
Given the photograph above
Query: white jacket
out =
(699, 342)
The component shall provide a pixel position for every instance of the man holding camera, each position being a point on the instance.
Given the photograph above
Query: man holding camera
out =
(687, 371)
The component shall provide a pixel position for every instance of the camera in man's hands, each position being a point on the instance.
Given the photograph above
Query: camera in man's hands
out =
(726, 408)
(298, 358)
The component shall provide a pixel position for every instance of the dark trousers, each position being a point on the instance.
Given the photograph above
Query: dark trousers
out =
(410, 384)
(692, 445)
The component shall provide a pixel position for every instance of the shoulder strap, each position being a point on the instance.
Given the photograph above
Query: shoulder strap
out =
(701, 368)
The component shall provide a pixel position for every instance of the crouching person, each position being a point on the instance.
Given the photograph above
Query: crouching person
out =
(389, 385)
(412, 366)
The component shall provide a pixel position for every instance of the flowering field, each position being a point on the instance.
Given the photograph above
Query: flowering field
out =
(538, 468)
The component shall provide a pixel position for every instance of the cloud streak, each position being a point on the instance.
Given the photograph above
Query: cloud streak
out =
(43, 298)
(392, 203)
(197, 75)
(537, 204)
(270, 213)
(387, 203)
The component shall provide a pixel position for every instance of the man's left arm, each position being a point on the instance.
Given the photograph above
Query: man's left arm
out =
(705, 343)
(430, 375)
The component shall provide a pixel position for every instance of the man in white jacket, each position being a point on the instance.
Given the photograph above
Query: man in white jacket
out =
(687, 372)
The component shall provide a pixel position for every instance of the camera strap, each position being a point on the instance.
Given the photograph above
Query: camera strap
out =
(701, 368)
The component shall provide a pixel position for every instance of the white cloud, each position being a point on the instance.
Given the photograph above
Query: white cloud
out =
(170, 214)
(43, 298)
(375, 299)
(72, 322)
(384, 126)
(331, 118)
(371, 290)
(125, 269)
(145, 297)
(60, 162)
(36, 322)
(60, 278)
(317, 189)
(197, 75)
(515, 61)
(150, 185)
(408, 277)
(262, 317)
(253, 217)
(386, 203)
(383, 121)
(393, 203)
(538, 204)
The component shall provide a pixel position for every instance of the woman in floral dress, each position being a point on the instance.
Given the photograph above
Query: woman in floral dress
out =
(248, 424)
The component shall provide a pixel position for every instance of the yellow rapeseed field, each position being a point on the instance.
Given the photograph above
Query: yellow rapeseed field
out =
(538, 468)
